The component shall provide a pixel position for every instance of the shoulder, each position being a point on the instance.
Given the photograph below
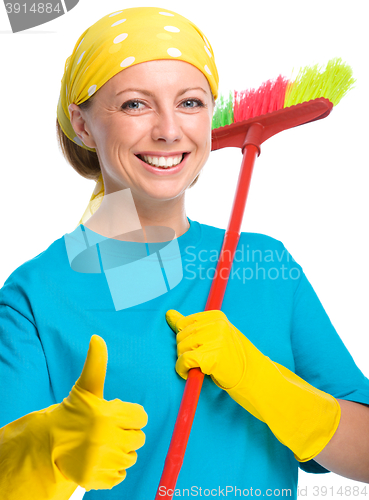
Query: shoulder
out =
(252, 247)
(257, 240)
(260, 240)
(31, 281)
(37, 269)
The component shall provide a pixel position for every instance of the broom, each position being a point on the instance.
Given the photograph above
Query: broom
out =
(246, 119)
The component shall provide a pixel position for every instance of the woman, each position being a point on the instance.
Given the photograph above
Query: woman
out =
(283, 391)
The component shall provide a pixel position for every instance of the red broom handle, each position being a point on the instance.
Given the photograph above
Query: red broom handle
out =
(186, 414)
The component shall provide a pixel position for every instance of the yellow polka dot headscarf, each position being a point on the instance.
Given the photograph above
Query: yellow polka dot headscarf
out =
(122, 39)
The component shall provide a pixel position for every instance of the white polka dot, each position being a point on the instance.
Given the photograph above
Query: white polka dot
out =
(120, 38)
(80, 57)
(92, 90)
(207, 43)
(118, 22)
(80, 43)
(174, 52)
(207, 70)
(173, 29)
(166, 14)
(115, 13)
(127, 61)
(78, 141)
(208, 51)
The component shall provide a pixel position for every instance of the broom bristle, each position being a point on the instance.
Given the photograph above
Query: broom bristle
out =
(223, 113)
(311, 83)
(267, 98)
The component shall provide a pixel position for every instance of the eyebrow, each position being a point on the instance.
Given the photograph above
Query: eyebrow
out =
(146, 92)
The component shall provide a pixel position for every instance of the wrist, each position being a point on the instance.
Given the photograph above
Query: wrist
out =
(29, 470)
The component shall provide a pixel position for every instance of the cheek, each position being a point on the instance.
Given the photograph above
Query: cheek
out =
(114, 134)
(201, 130)
(206, 135)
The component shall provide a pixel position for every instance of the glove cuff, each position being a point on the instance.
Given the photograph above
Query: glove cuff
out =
(27, 469)
(302, 417)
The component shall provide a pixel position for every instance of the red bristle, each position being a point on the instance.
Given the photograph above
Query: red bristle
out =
(280, 92)
(265, 95)
(267, 98)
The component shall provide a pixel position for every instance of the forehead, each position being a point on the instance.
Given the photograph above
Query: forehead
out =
(158, 73)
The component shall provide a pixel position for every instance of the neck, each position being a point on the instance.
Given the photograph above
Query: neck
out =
(121, 213)
(168, 213)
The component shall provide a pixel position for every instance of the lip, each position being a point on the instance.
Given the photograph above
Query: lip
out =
(164, 171)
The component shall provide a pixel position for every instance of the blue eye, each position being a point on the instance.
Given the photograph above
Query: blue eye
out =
(193, 101)
(133, 104)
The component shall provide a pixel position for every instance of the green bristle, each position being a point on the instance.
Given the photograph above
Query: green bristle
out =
(312, 82)
(223, 113)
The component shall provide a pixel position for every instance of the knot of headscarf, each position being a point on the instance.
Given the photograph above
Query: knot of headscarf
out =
(122, 39)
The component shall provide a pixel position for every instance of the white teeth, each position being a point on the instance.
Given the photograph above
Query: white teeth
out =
(163, 161)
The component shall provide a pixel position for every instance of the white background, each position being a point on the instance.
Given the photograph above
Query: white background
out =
(310, 184)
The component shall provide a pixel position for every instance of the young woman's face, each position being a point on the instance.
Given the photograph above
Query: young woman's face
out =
(157, 111)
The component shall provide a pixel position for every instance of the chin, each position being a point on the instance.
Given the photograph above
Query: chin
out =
(164, 190)
(165, 194)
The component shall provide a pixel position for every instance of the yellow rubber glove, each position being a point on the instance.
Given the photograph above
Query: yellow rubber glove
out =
(85, 440)
(301, 417)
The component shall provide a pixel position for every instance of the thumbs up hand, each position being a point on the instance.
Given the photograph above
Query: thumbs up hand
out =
(84, 440)
(94, 440)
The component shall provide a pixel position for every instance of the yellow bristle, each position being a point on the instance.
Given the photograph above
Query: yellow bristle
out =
(312, 82)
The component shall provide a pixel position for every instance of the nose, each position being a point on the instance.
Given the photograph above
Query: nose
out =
(167, 127)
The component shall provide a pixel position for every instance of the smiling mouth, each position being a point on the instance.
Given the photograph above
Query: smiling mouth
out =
(161, 161)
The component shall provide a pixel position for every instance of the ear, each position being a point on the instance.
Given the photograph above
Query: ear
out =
(80, 126)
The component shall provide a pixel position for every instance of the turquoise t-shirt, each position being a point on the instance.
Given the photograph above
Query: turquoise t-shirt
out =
(49, 311)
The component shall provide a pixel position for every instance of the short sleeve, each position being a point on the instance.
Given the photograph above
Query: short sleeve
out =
(321, 357)
(24, 379)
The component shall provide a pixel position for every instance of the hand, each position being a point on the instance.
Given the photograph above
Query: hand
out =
(209, 341)
(301, 417)
(95, 440)
(84, 440)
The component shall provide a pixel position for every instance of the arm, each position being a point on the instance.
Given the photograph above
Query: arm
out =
(25, 384)
(330, 367)
(302, 417)
(25, 388)
(85, 440)
(347, 453)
